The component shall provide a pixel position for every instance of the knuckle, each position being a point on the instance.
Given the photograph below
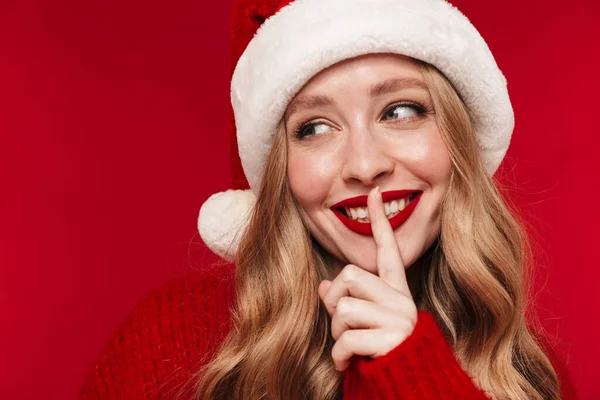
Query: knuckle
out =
(405, 327)
(411, 312)
(413, 318)
(349, 273)
(344, 339)
(405, 304)
(393, 338)
(410, 327)
(344, 306)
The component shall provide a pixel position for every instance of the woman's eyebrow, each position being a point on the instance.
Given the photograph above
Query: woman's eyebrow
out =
(395, 85)
(306, 102)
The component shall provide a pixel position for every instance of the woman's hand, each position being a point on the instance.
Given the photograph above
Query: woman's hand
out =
(370, 314)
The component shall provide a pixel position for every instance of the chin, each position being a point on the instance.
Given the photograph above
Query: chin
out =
(366, 260)
(362, 251)
(364, 255)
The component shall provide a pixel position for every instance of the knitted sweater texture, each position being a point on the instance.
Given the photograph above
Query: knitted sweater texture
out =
(164, 341)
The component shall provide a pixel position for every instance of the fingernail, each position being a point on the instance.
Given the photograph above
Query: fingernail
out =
(378, 191)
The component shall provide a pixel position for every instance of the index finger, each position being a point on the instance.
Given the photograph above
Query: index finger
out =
(389, 263)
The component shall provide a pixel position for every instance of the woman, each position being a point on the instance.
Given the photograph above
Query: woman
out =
(374, 258)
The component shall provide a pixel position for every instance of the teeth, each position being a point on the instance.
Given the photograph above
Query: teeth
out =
(391, 209)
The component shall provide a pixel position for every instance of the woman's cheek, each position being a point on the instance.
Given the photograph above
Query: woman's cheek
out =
(310, 178)
(427, 158)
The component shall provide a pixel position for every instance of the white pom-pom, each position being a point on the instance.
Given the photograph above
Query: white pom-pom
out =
(223, 219)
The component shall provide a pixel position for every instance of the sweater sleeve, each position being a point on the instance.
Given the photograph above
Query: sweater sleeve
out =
(421, 367)
(164, 340)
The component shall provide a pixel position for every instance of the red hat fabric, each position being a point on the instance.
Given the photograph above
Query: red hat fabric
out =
(247, 16)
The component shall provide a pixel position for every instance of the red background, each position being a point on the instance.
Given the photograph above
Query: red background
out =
(112, 134)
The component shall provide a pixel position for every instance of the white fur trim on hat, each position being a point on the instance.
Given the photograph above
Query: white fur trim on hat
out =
(308, 36)
(223, 219)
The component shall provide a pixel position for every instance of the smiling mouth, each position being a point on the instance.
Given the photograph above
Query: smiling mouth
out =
(398, 205)
(392, 208)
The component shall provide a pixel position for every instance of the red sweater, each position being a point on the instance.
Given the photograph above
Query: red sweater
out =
(165, 339)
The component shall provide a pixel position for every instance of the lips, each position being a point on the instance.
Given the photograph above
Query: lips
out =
(364, 228)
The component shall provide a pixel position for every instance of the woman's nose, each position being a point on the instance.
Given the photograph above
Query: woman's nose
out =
(366, 159)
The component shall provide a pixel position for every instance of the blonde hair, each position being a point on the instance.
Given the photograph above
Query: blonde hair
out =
(472, 280)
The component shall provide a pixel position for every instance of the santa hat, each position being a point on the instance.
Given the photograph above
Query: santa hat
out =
(278, 45)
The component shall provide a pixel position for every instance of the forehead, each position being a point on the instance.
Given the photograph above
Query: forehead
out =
(373, 74)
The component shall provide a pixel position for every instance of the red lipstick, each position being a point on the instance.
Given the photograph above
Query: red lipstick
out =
(364, 228)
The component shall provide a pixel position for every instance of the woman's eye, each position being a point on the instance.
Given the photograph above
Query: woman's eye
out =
(311, 129)
(403, 111)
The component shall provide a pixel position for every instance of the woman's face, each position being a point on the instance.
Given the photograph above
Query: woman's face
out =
(362, 123)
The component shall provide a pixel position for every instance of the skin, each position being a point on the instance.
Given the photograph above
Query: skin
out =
(357, 146)
(370, 314)
(361, 145)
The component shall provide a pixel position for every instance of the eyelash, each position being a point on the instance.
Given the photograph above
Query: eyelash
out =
(420, 109)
